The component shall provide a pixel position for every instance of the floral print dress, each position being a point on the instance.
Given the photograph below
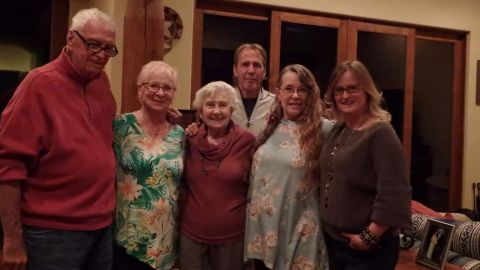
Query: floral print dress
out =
(283, 225)
(148, 181)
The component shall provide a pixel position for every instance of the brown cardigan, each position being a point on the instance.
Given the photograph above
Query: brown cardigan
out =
(369, 182)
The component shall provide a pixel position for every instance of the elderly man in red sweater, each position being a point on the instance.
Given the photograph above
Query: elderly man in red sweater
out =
(57, 168)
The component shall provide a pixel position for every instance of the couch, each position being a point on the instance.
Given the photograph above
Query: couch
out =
(464, 250)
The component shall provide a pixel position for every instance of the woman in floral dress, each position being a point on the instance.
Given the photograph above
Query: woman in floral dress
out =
(149, 151)
(283, 228)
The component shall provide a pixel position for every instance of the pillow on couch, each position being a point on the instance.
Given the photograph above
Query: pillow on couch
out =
(419, 222)
(466, 239)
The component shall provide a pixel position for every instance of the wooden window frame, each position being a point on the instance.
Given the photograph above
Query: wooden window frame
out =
(353, 28)
(218, 9)
(347, 49)
(458, 112)
(279, 17)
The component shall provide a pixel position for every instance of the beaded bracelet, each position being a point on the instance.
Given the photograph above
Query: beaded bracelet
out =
(368, 238)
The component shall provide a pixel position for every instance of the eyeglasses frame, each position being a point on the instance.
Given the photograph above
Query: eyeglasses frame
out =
(351, 89)
(164, 89)
(302, 92)
(100, 46)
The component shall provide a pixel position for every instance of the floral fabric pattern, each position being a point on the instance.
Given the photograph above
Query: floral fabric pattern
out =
(283, 225)
(148, 181)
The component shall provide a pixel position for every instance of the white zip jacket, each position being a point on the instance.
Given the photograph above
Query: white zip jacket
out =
(258, 120)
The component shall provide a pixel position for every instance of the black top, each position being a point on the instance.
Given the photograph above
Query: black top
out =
(249, 104)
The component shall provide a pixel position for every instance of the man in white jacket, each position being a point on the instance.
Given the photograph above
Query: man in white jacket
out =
(249, 70)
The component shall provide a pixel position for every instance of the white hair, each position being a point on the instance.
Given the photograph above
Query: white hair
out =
(214, 88)
(157, 67)
(85, 15)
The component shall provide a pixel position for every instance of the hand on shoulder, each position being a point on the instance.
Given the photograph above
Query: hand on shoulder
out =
(192, 129)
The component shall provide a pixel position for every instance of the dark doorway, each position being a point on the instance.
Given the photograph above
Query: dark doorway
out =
(24, 26)
(36, 27)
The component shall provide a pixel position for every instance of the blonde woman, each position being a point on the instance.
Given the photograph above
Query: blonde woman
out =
(365, 194)
(149, 151)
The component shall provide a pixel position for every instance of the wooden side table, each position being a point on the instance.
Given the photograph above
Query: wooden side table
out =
(406, 261)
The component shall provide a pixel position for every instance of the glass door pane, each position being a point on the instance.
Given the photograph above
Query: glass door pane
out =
(385, 57)
(313, 41)
(312, 46)
(221, 36)
(432, 123)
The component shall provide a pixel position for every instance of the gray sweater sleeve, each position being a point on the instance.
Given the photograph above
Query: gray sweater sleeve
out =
(391, 205)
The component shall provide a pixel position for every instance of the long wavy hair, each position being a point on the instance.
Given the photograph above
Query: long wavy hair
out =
(310, 122)
(374, 95)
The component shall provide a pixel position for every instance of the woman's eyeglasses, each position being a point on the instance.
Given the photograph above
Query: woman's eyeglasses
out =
(351, 89)
(96, 46)
(154, 88)
(290, 90)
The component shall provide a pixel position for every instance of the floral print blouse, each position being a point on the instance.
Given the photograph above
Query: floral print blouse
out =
(148, 180)
(283, 225)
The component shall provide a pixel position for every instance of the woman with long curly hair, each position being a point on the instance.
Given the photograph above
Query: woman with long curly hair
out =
(283, 228)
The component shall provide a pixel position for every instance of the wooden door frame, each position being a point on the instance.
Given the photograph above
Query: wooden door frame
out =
(58, 26)
(278, 17)
(197, 56)
(142, 43)
(347, 48)
(458, 116)
(198, 19)
(458, 112)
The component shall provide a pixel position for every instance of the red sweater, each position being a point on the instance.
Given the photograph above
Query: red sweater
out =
(215, 202)
(56, 137)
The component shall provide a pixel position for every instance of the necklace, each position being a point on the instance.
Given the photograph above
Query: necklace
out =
(249, 101)
(339, 144)
(155, 131)
(209, 170)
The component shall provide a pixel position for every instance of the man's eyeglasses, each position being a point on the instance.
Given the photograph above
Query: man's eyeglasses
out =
(290, 90)
(154, 88)
(351, 89)
(95, 46)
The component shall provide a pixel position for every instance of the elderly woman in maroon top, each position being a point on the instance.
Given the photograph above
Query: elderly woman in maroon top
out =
(216, 169)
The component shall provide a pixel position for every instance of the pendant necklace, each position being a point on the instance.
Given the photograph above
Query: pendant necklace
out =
(208, 170)
(150, 129)
(339, 144)
(211, 169)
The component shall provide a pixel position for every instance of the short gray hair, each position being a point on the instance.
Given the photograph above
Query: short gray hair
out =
(85, 15)
(157, 67)
(214, 88)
